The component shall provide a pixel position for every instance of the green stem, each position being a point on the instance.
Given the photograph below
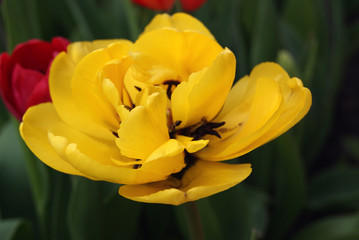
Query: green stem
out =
(253, 235)
(38, 178)
(194, 221)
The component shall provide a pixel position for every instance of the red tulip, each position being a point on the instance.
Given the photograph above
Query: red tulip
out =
(166, 5)
(157, 5)
(24, 74)
(191, 5)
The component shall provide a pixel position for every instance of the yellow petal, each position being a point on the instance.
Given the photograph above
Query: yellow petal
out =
(239, 97)
(169, 149)
(192, 146)
(245, 130)
(34, 130)
(87, 84)
(269, 70)
(164, 165)
(183, 53)
(178, 21)
(115, 71)
(111, 173)
(235, 109)
(78, 50)
(260, 117)
(165, 160)
(60, 79)
(111, 93)
(296, 107)
(72, 152)
(158, 192)
(201, 180)
(145, 128)
(204, 94)
(99, 150)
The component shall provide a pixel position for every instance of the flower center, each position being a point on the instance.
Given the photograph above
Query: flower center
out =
(189, 161)
(197, 131)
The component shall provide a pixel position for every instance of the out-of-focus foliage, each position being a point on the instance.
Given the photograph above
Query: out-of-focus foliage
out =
(303, 185)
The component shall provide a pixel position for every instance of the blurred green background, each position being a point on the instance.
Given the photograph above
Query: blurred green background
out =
(304, 185)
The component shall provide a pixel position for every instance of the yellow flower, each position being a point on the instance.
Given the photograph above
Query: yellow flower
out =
(159, 114)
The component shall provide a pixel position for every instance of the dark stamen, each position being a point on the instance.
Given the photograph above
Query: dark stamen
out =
(128, 108)
(172, 129)
(115, 134)
(170, 83)
(189, 161)
(136, 166)
(197, 132)
(138, 88)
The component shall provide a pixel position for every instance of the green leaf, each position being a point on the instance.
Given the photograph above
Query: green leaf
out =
(20, 21)
(83, 27)
(215, 16)
(289, 186)
(84, 211)
(302, 14)
(121, 217)
(15, 229)
(336, 187)
(262, 160)
(345, 227)
(14, 184)
(328, 77)
(181, 221)
(158, 221)
(209, 219)
(264, 40)
(96, 211)
(248, 15)
(4, 115)
(351, 145)
(132, 19)
(55, 19)
(57, 200)
(241, 210)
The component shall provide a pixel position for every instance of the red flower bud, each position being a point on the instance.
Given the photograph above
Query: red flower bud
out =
(24, 74)
(166, 5)
(191, 5)
(157, 5)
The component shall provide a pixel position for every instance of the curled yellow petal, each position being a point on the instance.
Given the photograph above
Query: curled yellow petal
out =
(183, 53)
(191, 145)
(178, 21)
(201, 180)
(204, 94)
(269, 103)
(34, 130)
(145, 128)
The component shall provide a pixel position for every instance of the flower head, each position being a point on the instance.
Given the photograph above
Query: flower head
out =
(159, 116)
(24, 74)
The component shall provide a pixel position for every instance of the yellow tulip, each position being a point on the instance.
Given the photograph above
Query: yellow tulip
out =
(159, 114)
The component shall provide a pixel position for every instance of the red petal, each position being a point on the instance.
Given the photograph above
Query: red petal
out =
(33, 54)
(23, 84)
(6, 87)
(191, 5)
(40, 93)
(157, 5)
(60, 43)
